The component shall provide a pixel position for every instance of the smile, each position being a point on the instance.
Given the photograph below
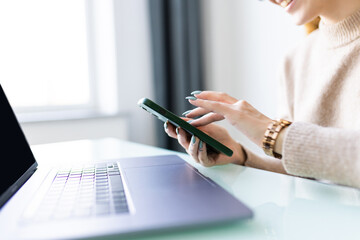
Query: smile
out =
(285, 3)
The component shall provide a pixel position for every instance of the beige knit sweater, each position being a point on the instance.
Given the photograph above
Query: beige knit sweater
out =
(320, 83)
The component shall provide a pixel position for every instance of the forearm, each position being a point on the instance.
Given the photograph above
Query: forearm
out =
(263, 162)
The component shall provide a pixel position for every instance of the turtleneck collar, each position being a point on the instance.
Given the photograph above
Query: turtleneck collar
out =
(341, 33)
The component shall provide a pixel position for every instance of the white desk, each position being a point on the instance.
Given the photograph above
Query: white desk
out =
(285, 207)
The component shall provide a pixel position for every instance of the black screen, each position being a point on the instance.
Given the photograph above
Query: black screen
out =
(16, 157)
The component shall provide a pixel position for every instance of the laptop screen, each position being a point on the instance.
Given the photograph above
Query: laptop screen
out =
(16, 157)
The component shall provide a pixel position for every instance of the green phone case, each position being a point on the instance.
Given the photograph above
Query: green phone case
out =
(165, 115)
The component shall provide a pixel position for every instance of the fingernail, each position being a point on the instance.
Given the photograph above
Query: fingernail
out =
(200, 145)
(165, 125)
(187, 112)
(190, 121)
(177, 131)
(191, 98)
(193, 139)
(196, 92)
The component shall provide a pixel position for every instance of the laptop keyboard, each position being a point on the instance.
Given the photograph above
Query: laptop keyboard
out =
(82, 192)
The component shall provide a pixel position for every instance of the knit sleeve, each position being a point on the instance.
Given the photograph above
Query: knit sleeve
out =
(323, 153)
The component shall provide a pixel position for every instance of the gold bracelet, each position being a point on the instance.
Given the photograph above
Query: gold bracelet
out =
(270, 136)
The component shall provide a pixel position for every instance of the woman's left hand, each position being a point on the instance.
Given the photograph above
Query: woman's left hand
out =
(217, 106)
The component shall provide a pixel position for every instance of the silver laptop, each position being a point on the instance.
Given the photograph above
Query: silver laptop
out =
(126, 196)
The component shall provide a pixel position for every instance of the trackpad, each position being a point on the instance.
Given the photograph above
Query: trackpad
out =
(175, 188)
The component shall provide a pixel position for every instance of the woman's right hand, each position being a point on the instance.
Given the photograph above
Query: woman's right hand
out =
(197, 149)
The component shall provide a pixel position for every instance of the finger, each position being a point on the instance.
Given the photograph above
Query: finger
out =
(213, 106)
(216, 96)
(203, 157)
(193, 148)
(207, 119)
(182, 138)
(196, 112)
(170, 130)
(186, 119)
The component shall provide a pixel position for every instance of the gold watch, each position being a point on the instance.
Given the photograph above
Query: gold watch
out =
(270, 136)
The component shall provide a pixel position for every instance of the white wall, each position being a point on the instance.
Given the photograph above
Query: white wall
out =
(245, 41)
(135, 67)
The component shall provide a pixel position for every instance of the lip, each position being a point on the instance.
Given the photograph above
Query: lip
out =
(290, 6)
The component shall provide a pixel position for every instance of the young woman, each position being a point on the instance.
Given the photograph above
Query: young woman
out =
(320, 99)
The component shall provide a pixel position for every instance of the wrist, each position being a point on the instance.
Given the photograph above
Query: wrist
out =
(278, 148)
(240, 155)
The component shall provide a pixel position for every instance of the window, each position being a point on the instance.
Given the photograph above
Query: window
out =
(47, 55)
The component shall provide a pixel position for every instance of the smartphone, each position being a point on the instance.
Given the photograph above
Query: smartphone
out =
(165, 115)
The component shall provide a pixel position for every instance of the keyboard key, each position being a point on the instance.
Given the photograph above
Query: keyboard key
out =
(116, 182)
(121, 209)
(102, 209)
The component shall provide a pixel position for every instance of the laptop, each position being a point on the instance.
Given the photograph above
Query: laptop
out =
(118, 197)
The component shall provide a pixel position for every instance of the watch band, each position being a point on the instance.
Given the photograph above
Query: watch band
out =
(270, 136)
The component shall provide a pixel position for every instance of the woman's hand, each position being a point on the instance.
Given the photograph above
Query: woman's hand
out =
(217, 106)
(197, 149)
